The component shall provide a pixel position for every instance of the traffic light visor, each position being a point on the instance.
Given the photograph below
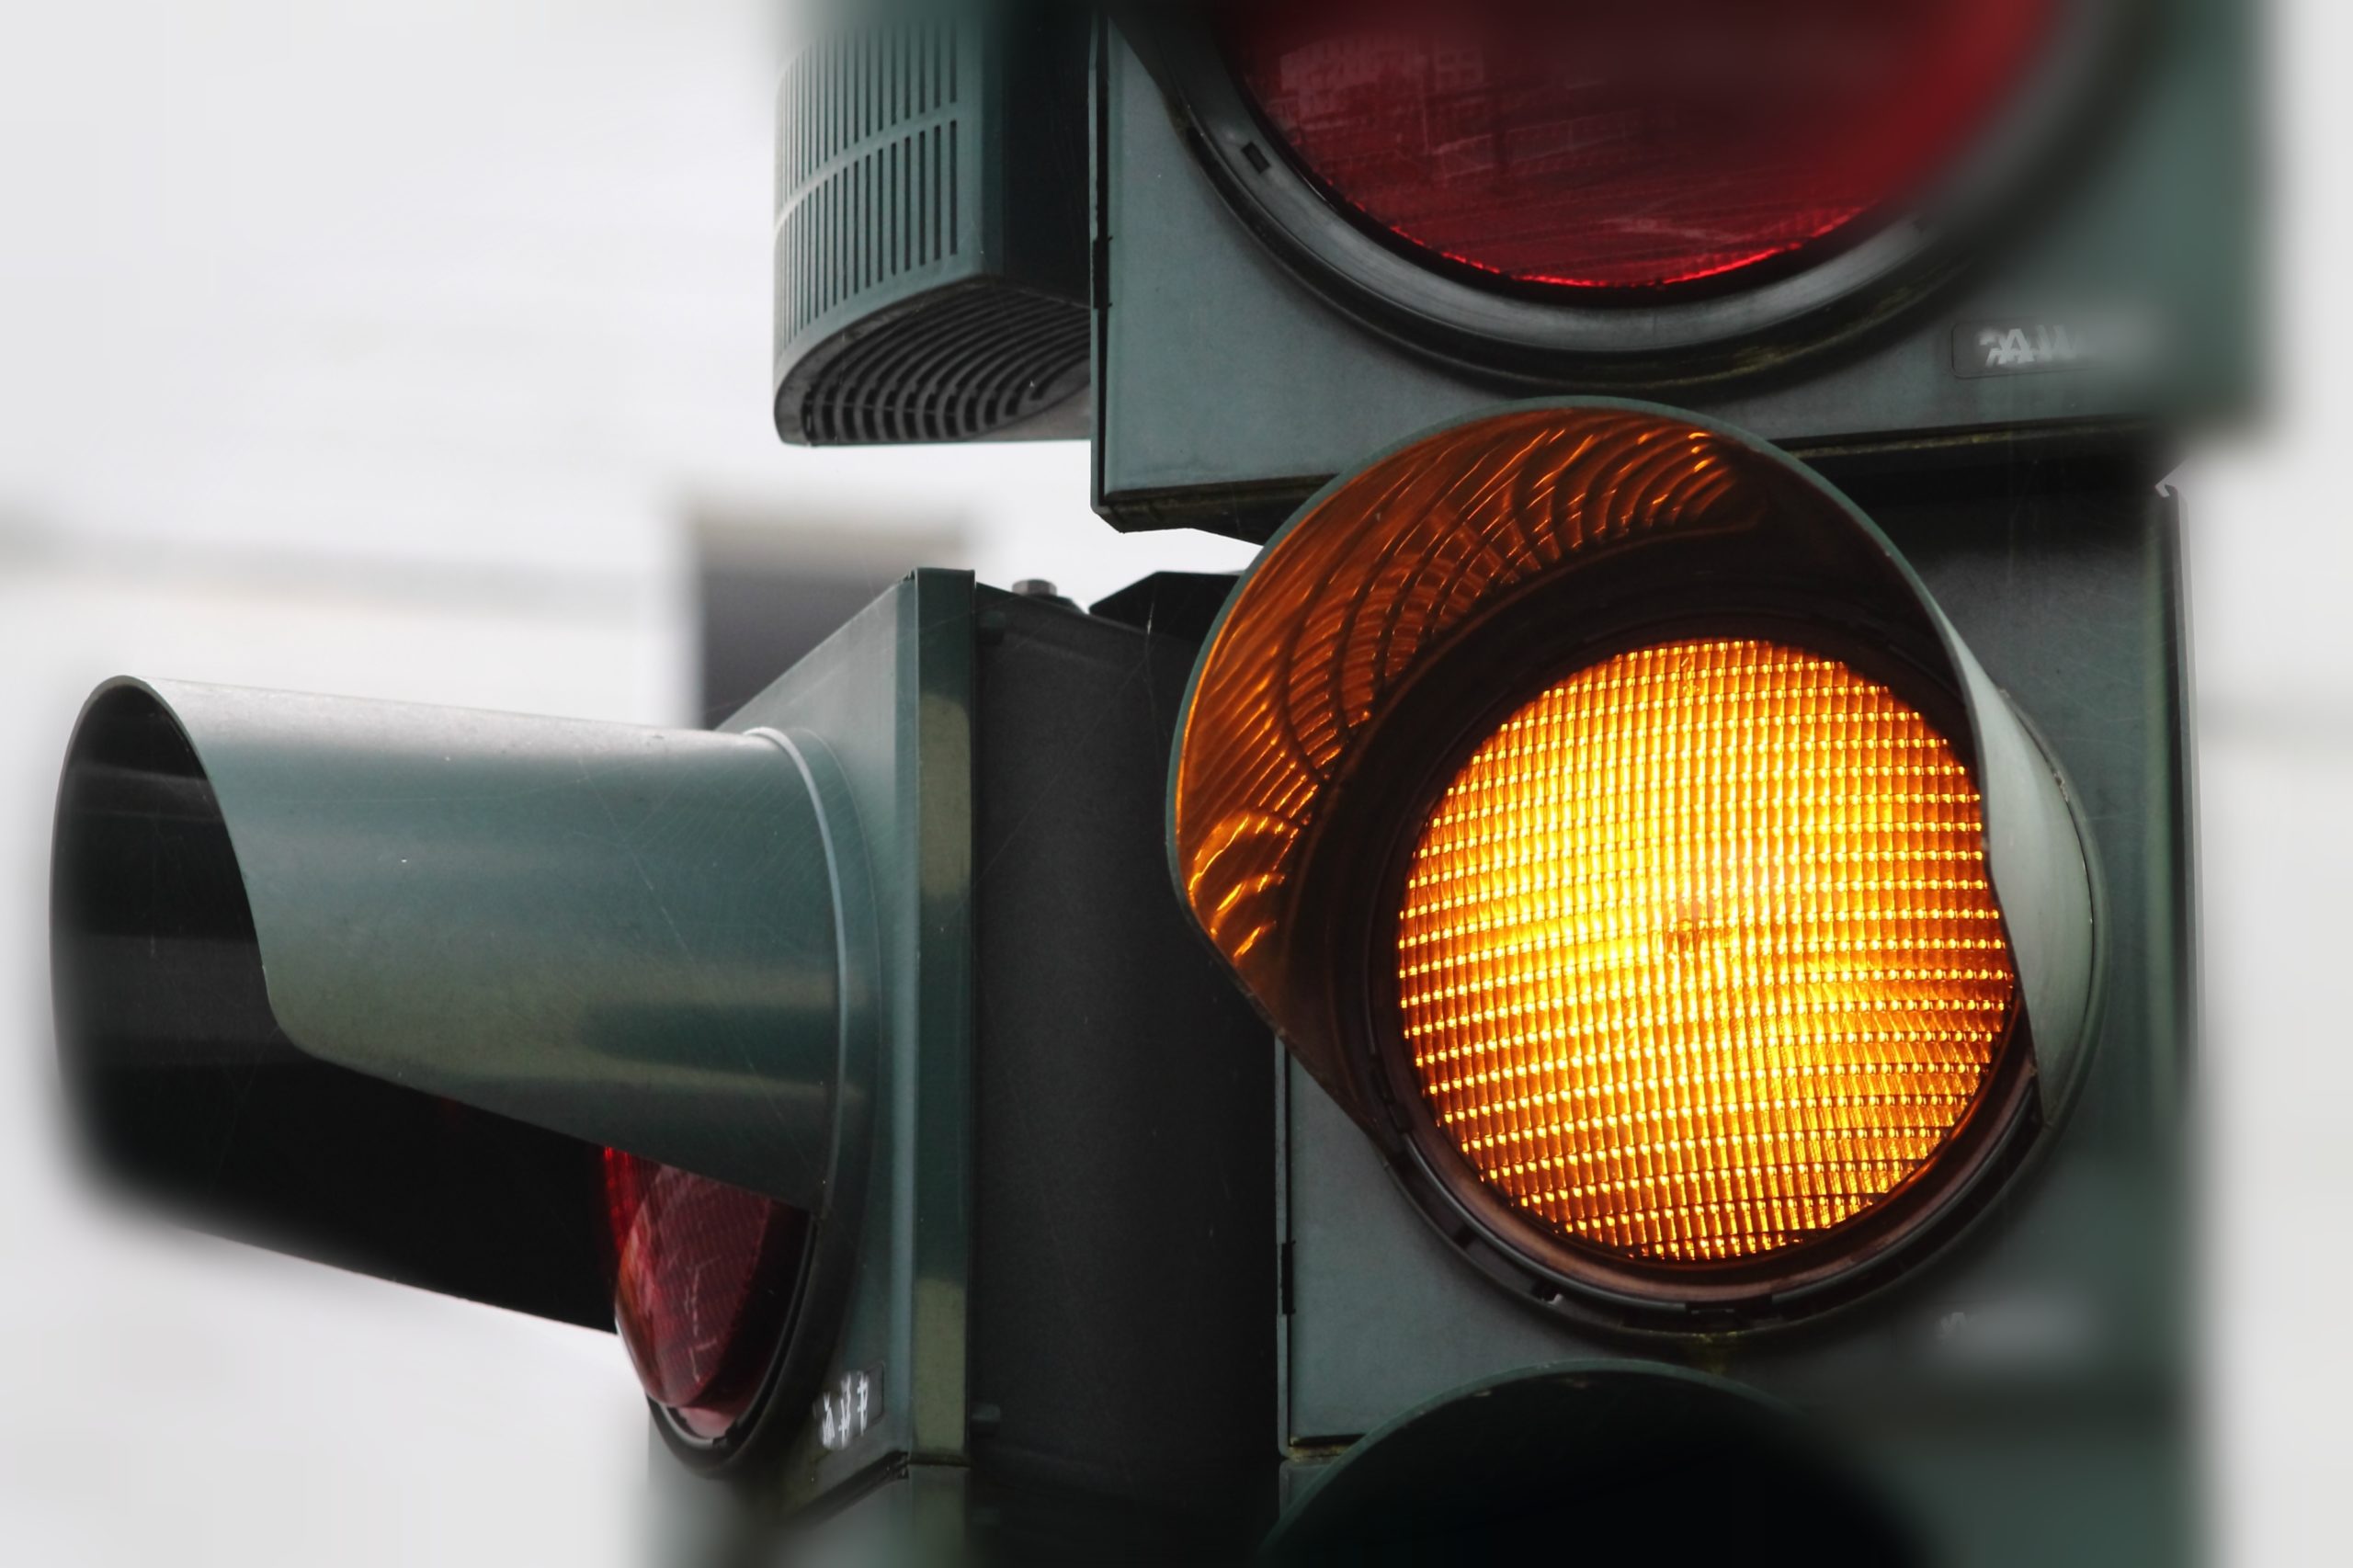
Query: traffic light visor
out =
(1615, 1456)
(376, 983)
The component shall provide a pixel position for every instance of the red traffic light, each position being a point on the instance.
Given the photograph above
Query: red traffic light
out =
(703, 1279)
(1629, 148)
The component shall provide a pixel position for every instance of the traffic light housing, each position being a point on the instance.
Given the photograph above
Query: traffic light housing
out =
(378, 985)
(2080, 277)
(2011, 1380)
(1397, 711)
(1719, 737)
(1792, 922)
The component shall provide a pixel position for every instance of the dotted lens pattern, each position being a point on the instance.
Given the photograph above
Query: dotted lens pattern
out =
(1698, 959)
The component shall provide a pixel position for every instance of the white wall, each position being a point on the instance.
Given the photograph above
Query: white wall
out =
(386, 346)
(2272, 588)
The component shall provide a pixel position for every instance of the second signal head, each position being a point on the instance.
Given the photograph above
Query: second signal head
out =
(1606, 816)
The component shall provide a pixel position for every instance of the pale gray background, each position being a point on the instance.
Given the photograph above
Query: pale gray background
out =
(410, 348)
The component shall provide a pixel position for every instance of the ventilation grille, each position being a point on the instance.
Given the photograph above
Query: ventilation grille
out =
(965, 364)
(915, 300)
(869, 165)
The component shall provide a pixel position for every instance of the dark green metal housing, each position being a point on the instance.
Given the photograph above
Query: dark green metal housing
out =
(1239, 365)
(1063, 1274)
(322, 964)
(375, 985)
(2023, 1395)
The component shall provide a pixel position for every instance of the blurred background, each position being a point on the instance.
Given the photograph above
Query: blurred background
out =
(419, 349)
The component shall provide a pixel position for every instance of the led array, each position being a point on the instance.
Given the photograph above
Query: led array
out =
(1697, 958)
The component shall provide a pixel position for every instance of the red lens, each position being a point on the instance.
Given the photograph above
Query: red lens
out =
(703, 1281)
(1572, 144)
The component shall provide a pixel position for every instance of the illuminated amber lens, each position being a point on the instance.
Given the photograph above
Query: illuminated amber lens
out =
(1698, 959)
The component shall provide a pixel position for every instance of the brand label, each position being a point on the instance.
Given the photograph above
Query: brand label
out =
(2023, 347)
(848, 1409)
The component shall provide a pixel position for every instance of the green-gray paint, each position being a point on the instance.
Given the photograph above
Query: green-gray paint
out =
(626, 935)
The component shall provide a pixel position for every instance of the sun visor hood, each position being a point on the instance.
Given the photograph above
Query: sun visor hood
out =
(1612, 1461)
(1525, 530)
(376, 983)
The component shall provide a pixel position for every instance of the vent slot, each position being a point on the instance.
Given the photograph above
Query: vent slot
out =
(893, 210)
(870, 166)
(968, 364)
(855, 86)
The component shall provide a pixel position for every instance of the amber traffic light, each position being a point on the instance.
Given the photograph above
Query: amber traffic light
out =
(1697, 957)
(1600, 810)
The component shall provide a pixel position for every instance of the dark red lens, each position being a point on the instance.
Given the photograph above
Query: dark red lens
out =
(703, 1281)
(1574, 144)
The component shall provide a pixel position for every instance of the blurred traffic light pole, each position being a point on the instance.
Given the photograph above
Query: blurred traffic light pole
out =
(1624, 990)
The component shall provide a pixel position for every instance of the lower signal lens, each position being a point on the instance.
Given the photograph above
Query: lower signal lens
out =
(704, 1274)
(1698, 960)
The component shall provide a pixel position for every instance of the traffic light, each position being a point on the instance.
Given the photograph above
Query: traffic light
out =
(1715, 933)
(1976, 230)
(1620, 833)
(1728, 905)
(854, 1061)
(1624, 990)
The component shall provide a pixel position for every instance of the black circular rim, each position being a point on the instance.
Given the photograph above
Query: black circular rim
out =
(1747, 323)
(1448, 711)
